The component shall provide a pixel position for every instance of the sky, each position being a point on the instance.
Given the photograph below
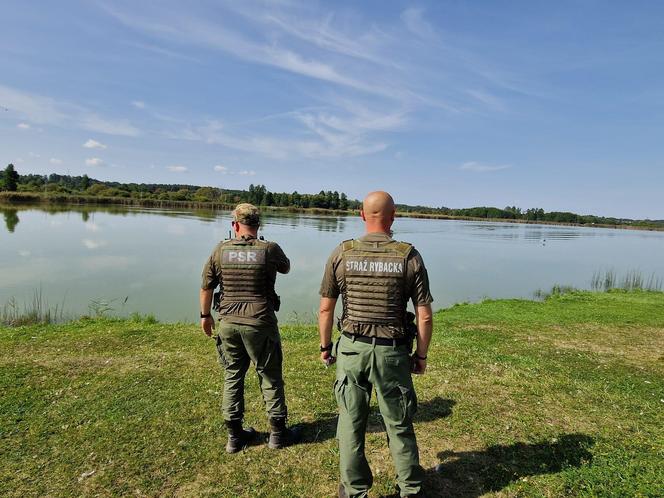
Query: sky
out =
(558, 105)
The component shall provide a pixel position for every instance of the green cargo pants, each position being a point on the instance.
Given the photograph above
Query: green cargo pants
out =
(238, 345)
(361, 367)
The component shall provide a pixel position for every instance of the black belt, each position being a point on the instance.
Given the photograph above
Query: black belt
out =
(379, 341)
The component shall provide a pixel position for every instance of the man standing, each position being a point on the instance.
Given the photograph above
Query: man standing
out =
(245, 268)
(376, 276)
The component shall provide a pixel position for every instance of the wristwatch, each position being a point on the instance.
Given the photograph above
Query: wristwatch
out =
(206, 315)
(326, 348)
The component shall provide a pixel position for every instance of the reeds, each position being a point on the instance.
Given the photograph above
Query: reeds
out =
(632, 280)
(34, 311)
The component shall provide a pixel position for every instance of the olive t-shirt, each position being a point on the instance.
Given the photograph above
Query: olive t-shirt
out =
(417, 281)
(247, 313)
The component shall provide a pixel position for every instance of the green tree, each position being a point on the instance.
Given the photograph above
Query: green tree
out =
(10, 178)
(343, 201)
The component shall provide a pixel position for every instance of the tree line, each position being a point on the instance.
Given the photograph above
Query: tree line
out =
(63, 185)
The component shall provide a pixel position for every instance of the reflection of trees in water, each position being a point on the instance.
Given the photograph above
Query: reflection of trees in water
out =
(11, 219)
(320, 223)
(329, 224)
(86, 211)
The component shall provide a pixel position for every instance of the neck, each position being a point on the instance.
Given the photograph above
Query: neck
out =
(377, 228)
(246, 233)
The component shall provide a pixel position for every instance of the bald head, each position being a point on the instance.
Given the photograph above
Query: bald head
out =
(378, 211)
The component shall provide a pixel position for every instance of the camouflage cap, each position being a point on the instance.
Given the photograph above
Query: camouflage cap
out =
(247, 214)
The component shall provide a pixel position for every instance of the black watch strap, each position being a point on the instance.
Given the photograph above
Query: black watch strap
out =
(326, 348)
(206, 315)
(415, 355)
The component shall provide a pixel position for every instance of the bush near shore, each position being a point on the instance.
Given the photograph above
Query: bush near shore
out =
(563, 397)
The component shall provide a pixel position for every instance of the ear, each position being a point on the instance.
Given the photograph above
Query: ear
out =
(364, 218)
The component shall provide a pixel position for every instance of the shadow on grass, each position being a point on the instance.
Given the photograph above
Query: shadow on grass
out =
(471, 474)
(325, 426)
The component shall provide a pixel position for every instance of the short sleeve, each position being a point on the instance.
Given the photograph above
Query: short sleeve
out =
(278, 258)
(329, 286)
(420, 293)
(210, 276)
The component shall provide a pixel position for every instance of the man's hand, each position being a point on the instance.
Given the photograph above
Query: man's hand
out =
(207, 324)
(418, 365)
(327, 358)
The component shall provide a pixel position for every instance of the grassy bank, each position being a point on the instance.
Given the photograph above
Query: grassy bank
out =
(555, 398)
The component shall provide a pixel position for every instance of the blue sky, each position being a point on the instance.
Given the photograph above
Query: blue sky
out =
(557, 105)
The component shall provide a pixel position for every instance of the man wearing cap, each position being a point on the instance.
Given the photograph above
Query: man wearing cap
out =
(376, 277)
(245, 269)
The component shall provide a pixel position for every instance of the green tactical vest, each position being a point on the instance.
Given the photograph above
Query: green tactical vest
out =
(375, 278)
(244, 271)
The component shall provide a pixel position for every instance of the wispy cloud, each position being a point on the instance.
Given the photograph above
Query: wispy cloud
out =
(138, 104)
(177, 168)
(480, 168)
(23, 126)
(93, 144)
(55, 160)
(221, 169)
(413, 18)
(93, 161)
(188, 29)
(490, 101)
(47, 111)
(94, 244)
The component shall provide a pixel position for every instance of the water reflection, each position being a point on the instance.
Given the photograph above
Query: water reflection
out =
(11, 218)
(151, 258)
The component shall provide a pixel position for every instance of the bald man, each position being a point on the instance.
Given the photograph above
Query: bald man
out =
(376, 277)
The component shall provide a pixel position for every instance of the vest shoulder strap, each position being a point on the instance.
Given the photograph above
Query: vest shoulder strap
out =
(403, 248)
(348, 245)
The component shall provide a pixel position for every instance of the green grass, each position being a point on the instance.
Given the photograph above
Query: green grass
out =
(563, 397)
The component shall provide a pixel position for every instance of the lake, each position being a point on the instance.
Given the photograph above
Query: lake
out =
(150, 260)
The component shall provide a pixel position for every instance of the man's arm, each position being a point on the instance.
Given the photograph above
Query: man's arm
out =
(325, 322)
(281, 261)
(424, 330)
(207, 324)
(329, 293)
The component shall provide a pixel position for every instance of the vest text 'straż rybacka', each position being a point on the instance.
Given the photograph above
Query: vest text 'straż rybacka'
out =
(375, 276)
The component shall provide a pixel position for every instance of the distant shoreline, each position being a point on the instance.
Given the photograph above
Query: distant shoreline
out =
(34, 198)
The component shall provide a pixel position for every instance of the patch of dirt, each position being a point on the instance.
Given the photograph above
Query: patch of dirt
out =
(634, 345)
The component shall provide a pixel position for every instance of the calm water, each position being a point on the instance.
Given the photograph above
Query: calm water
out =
(150, 261)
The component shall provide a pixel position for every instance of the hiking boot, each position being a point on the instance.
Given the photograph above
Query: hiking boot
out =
(238, 437)
(282, 436)
(419, 494)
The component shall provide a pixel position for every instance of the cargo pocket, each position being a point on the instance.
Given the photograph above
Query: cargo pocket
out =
(398, 405)
(220, 352)
(340, 391)
(408, 403)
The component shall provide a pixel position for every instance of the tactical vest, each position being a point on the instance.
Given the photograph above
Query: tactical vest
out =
(244, 271)
(375, 279)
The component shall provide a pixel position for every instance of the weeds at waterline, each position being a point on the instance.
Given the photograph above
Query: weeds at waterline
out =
(35, 311)
(633, 280)
(603, 281)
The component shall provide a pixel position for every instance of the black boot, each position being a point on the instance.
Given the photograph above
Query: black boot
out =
(238, 437)
(280, 435)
